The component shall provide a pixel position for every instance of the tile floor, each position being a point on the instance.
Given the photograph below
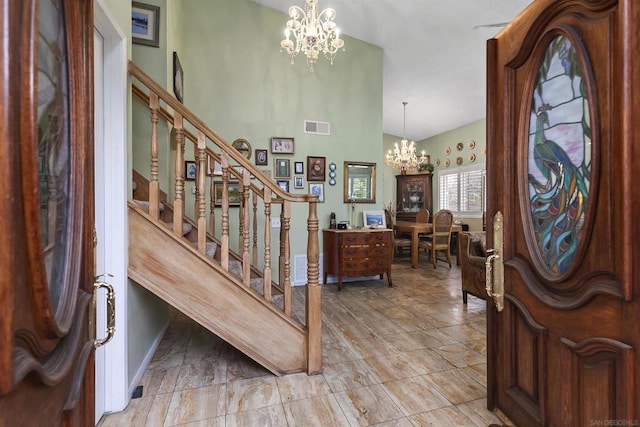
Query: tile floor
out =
(410, 355)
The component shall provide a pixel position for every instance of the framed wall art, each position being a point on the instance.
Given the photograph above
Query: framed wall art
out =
(243, 146)
(282, 168)
(190, 170)
(298, 182)
(283, 184)
(145, 24)
(178, 78)
(234, 194)
(261, 157)
(316, 168)
(298, 168)
(280, 145)
(213, 167)
(318, 190)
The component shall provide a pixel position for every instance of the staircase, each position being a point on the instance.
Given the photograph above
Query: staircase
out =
(189, 261)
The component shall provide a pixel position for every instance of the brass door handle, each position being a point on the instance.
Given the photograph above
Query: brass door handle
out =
(111, 313)
(494, 265)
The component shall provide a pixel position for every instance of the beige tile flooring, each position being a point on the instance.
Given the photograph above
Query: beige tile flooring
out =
(410, 355)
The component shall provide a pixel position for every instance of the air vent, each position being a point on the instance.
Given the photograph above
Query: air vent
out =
(317, 128)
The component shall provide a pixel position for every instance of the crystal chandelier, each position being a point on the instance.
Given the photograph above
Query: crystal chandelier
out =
(313, 33)
(403, 156)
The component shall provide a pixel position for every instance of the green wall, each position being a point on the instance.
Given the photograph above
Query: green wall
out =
(436, 147)
(237, 81)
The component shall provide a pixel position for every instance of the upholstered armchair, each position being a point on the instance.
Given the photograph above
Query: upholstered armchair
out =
(472, 264)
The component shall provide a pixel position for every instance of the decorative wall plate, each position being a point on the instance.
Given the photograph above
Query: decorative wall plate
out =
(472, 158)
(447, 150)
(472, 144)
(332, 174)
(459, 146)
(459, 161)
(332, 166)
(332, 181)
(437, 162)
(243, 146)
(446, 163)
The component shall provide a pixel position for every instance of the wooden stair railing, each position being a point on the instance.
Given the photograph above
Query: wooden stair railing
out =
(255, 190)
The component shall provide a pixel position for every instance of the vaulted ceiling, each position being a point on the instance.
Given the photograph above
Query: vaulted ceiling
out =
(433, 57)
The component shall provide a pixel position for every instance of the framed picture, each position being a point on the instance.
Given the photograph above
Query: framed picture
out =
(298, 168)
(284, 185)
(374, 219)
(318, 190)
(243, 146)
(234, 194)
(282, 168)
(240, 170)
(261, 157)
(213, 167)
(145, 24)
(178, 77)
(281, 145)
(298, 182)
(190, 170)
(315, 168)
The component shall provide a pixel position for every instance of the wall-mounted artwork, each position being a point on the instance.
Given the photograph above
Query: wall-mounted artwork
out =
(145, 24)
(281, 145)
(316, 168)
(234, 194)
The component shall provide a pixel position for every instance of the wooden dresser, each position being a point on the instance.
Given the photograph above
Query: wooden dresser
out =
(362, 252)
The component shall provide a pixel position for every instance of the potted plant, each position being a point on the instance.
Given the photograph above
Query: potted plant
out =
(425, 168)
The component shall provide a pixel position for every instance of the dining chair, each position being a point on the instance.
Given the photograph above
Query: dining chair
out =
(423, 215)
(399, 241)
(440, 239)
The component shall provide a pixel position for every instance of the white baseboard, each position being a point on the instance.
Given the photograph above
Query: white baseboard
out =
(147, 359)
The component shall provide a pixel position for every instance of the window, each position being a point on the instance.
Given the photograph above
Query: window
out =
(463, 190)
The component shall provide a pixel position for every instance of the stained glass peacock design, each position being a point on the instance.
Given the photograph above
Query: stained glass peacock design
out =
(559, 163)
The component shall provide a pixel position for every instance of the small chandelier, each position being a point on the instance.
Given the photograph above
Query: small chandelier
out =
(403, 156)
(313, 33)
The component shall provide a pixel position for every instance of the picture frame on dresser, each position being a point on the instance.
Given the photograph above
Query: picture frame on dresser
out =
(374, 219)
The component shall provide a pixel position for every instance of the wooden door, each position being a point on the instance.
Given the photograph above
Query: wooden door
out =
(46, 213)
(563, 134)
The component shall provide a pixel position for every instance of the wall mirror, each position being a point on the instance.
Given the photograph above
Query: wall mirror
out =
(359, 182)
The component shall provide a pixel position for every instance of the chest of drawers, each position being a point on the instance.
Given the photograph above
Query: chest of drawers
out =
(365, 252)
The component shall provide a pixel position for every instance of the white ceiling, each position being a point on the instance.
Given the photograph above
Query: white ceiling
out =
(433, 57)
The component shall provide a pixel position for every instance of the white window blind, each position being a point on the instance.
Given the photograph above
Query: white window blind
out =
(462, 191)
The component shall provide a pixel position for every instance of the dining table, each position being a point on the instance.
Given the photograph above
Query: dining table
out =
(415, 229)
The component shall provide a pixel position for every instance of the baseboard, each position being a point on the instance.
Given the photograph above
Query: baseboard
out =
(147, 359)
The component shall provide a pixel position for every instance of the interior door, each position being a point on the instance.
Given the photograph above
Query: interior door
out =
(563, 109)
(46, 213)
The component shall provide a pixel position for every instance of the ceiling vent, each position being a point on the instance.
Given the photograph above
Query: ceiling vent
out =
(317, 128)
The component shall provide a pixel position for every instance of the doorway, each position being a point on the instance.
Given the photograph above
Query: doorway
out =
(111, 160)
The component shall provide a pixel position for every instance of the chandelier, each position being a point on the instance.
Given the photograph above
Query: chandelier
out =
(312, 32)
(403, 156)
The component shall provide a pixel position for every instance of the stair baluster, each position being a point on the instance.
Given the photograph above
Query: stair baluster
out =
(154, 185)
(178, 203)
(201, 200)
(254, 247)
(224, 163)
(246, 256)
(267, 244)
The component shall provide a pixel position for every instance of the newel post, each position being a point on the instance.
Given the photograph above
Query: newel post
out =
(314, 295)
